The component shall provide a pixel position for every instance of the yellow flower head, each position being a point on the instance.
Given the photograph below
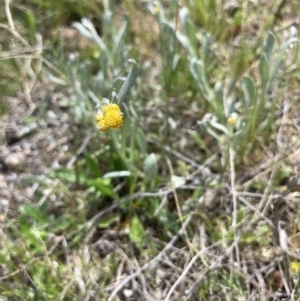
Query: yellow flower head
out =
(111, 107)
(111, 117)
(295, 267)
(156, 10)
(232, 119)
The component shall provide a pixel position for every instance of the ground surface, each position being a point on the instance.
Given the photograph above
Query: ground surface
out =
(204, 215)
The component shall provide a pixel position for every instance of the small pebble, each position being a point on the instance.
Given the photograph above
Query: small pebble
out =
(127, 293)
(15, 161)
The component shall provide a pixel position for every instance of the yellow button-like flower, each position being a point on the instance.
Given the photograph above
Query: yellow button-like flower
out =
(111, 107)
(232, 119)
(295, 267)
(156, 10)
(101, 123)
(111, 117)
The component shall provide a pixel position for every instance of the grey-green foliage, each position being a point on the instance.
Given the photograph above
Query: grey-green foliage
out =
(249, 90)
(189, 39)
(150, 167)
(111, 45)
(129, 82)
(111, 60)
(249, 96)
(197, 69)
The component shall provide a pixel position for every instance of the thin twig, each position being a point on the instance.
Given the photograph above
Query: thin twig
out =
(83, 145)
(8, 15)
(176, 154)
(213, 266)
(189, 266)
(246, 203)
(94, 220)
(179, 208)
(263, 203)
(151, 264)
(23, 271)
(235, 204)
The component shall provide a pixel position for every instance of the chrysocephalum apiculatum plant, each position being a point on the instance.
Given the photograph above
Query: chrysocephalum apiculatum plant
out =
(238, 107)
(109, 116)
